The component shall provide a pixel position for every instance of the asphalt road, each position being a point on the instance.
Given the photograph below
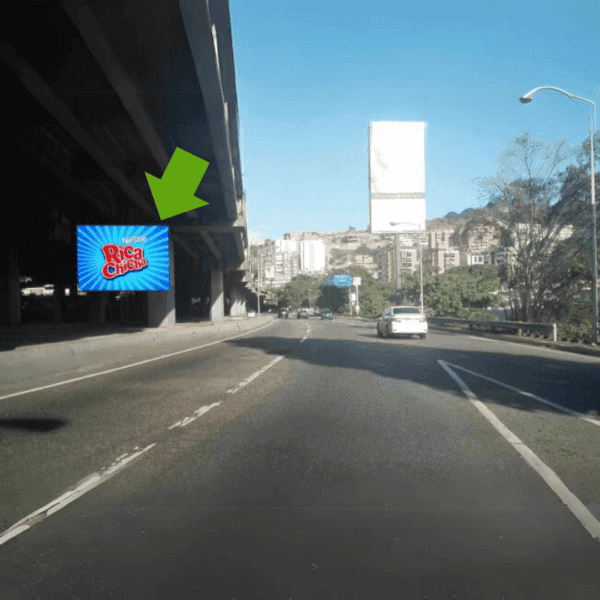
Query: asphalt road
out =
(307, 460)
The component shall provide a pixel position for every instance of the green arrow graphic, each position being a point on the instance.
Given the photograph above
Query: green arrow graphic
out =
(174, 193)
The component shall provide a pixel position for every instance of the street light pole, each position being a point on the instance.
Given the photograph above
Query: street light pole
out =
(393, 224)
(421, 267)
(395, 262)
(528, 97)
(594, 239)
(259, 280)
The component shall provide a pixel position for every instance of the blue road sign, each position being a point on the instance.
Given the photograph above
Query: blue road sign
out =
(338, 280)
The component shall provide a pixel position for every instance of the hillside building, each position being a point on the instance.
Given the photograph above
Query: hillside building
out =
(312, 255)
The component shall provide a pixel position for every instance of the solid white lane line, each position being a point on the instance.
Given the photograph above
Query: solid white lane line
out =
(254, 376)
(45, 387)
(581, 513)
(473, 337)
(542, 400)
(197, 413)
(85, 486)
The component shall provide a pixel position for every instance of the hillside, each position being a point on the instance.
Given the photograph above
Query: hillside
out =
(453, 220)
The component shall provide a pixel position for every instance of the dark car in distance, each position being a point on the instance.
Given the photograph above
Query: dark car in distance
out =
(326, 314)
(303, 313)
(283, 312)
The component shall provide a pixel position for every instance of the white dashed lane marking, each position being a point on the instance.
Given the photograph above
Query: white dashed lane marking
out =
(122, 461)
(89, 483)
(252, 377)
(197, 414)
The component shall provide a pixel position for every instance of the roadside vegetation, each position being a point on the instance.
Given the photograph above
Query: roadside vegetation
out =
(542, 217)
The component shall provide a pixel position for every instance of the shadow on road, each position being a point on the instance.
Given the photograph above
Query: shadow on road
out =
(33, 425)
(570, 383)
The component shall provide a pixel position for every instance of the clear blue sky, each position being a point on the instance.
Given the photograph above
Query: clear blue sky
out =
(311, 75)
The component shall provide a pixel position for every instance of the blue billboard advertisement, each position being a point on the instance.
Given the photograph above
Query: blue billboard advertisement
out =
(132, 258)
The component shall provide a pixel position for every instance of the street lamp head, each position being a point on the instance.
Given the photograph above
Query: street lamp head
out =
(525, 99)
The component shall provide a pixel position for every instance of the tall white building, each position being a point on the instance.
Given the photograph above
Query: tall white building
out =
(312, 255)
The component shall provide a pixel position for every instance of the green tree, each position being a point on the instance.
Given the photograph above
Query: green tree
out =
(411, 284)
(373, 295)
(530, 204)
(300, 291)
(461, 291)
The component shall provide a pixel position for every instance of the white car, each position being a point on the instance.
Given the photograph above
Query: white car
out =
(251, 314)
(402, 320)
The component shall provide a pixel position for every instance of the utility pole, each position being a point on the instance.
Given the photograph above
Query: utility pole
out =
(259, 279)
(396, 236)
(250, 257)
(421, 267)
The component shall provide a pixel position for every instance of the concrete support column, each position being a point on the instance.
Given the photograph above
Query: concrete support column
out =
(97, 308)
(242, 299)
(195, 284)
(184, 295)
(10, 288)
(196, 279)
(59, 302)
(238, 306)
(233, 294)
(161, 305)
(217, 297)
(185, 274)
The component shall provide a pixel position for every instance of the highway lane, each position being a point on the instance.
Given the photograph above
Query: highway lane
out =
(53, 438)
(352, 467)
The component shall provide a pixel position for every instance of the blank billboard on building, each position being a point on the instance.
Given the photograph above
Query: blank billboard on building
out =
(397, 176)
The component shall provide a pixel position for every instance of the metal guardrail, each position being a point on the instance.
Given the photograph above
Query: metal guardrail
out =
(516, 327)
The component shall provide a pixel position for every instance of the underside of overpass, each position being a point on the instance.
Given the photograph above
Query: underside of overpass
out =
(98, 94)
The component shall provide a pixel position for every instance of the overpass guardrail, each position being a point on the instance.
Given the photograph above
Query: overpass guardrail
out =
(548, 330)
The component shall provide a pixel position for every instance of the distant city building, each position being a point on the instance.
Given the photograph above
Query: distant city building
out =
(439, 238)
(285, 245)
(480, 238)
(409, 261)
(312, 255)
(442, 258)
(386, 266)
(476, 258)
(364, 259)
(311, 235)
(501, 256)
(523, 231)
(445, 248)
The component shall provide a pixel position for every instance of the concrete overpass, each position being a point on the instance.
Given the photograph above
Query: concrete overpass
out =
(97, 94)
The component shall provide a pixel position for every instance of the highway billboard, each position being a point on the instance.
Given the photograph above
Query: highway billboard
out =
(397, 176)
(123, 258)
